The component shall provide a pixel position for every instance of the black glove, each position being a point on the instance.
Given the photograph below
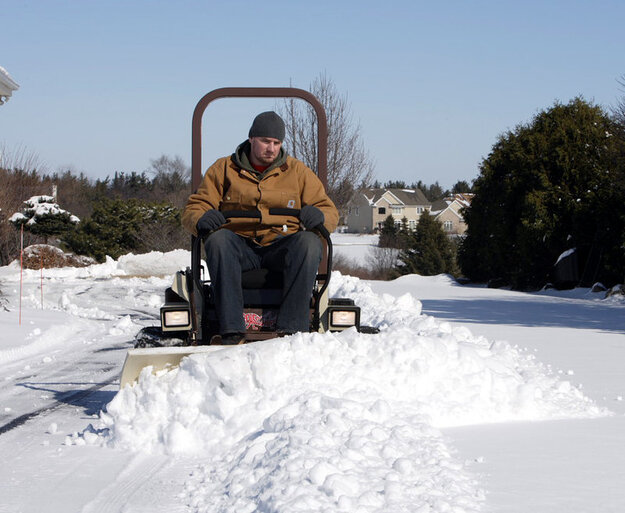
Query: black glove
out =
(311, 217)
(209, 222)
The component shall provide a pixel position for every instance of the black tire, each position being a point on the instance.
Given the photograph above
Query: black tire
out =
(153, 336)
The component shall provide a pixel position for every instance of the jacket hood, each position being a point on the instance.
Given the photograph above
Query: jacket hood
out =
(240, 157)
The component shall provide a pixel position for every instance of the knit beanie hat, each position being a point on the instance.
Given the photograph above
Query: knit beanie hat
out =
(268, 124)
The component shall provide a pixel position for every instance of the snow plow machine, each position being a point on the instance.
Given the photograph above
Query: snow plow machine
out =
(188, 321)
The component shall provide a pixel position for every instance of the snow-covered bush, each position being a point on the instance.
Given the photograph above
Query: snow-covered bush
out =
(45, 256)
(41, 215)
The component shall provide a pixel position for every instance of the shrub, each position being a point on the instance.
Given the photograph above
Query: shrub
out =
(117, 227)
(45, 256)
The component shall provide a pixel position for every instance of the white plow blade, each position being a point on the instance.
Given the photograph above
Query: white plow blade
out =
(158, 358)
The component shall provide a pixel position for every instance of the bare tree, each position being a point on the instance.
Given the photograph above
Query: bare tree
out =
(382, 261)
(20, 158)
(349, 163)
(172, 178)
(19, 179)
(619, 110)
(167, 166)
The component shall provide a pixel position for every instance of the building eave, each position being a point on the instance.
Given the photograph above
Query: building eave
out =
(7, 85)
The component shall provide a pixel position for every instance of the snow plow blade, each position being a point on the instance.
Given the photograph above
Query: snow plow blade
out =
(159, 358)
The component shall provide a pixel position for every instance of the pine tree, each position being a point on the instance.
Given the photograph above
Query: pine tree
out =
(428, 251)
(389, 234)
(117, 227)
(553, 178)
(42, 216)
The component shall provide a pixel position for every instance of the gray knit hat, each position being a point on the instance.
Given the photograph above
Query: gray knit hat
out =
(268, 124)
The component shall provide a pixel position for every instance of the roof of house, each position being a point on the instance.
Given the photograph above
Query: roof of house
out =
(439, 206)
(403, 196)
(463, 198)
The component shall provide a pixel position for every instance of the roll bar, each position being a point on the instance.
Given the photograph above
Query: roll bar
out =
(258, 92)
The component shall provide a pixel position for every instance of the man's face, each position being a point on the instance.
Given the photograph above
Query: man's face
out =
(264, 150)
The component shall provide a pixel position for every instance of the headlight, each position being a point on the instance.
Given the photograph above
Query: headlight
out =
(343, 318)
(175, 318)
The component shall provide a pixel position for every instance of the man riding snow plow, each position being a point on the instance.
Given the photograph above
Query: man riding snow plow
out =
(264, 219)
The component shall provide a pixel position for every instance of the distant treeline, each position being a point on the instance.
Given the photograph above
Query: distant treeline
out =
(120, 213)
(164, 187)
(432, 192)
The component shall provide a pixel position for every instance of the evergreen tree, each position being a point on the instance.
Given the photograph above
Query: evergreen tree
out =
(461, 186)
(428, 251)
(42, 216)
(389, 234)
(116, 227)
(435, 192)
(553, 178)
(395, 184)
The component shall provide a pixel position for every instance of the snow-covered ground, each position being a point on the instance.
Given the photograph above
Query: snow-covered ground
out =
(358, 248)
(469, 399)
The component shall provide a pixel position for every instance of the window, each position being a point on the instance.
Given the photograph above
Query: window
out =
(397, 210)
(382, 210)
(448, 226)
(412, 224)
(419, 210)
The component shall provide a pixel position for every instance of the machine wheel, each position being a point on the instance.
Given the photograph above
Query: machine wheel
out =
(153, 336)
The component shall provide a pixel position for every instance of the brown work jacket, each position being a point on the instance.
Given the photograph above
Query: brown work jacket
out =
(228, 187)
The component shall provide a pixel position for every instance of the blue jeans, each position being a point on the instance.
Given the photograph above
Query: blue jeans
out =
(297, 256)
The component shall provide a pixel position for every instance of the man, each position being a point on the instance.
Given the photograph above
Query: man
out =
(260, 176)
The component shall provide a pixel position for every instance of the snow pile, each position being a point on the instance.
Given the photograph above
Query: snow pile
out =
(336, 422)
(446, 377)
(150, 264)
(306, 423)
(154, 263)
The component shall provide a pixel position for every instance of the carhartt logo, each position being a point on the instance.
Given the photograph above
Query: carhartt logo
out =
(291, 204)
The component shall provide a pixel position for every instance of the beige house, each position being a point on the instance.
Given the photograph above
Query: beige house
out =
(368, 209)
(448, 212)
(7, 85)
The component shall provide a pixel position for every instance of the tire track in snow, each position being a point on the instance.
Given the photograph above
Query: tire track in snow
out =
(69, 399)
(131, 481)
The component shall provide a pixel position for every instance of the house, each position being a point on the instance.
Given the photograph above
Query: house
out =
(7, 86)
(368, 208)
(448, 212)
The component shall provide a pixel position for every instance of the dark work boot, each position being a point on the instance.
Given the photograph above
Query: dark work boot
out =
(232, 339)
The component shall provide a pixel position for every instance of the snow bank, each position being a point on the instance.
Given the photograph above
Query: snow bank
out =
(445, 376)
(154, 263)
(336, 422)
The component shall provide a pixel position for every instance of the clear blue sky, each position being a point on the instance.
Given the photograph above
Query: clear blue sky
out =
(108, 86)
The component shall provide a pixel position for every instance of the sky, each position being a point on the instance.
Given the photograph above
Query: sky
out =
(110, 86)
